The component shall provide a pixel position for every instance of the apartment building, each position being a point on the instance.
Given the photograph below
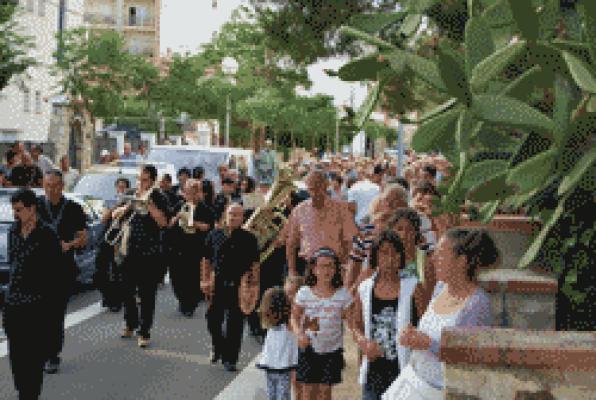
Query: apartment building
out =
(26, 104)
(137, 20)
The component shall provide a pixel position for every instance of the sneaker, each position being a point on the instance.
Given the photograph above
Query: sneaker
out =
(127, 333)
(51, 367)
(214, 357)
(230, 367)
(143, 342)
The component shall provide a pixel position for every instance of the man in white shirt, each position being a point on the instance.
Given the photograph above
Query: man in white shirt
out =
(362, 193)
(128, 153)
(43, 162)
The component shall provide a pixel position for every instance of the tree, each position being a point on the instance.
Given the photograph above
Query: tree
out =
(100, 76)
(523, 72)
(14, 47)
(307, 30)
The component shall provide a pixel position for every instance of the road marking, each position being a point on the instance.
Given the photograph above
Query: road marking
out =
(247, 385)
(75, 318)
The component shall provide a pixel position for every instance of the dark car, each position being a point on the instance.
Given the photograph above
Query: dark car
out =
(85, 258)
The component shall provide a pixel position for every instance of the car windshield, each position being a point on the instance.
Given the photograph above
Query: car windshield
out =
(190, 159)
(101, 186)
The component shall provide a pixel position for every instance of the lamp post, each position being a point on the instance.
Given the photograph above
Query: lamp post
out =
(341, 114)
(229, 67)
(399, 126)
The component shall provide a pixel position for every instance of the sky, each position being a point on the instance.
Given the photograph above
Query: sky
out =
(186, 24)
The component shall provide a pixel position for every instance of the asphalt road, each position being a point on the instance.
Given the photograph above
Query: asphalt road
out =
(99, 365)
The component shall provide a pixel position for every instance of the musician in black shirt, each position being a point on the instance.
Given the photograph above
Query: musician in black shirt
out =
(141, 266)
(30, 298)
(189, 246)
(68, 219)
(230, 252)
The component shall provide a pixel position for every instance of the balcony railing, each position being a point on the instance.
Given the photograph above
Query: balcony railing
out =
(97, 18)
(140, 20)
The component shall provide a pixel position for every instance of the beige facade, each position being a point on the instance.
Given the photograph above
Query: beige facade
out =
(137, 20)
(26, 103)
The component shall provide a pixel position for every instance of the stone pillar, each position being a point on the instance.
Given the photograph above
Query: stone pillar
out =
(120, 137)
(509, 364)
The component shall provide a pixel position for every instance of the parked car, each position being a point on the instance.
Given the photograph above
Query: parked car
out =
(99, 182)
(85, 258)
(207, 157)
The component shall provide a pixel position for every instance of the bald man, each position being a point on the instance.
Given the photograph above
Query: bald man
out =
(230, 253)
(318, 222)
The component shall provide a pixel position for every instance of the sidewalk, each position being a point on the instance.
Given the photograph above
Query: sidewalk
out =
(349, 389)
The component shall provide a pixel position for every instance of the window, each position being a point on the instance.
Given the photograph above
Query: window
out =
(26, 100)
(132, 16)
(30, 5)
(41, 5)
(38, 102)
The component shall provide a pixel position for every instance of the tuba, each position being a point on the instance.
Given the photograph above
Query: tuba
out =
(266, 223)
(186, 221)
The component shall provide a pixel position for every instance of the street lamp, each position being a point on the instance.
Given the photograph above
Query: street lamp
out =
(229, 67)
(341, 114)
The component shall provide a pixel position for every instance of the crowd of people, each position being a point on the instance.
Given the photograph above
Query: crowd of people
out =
(361, 252)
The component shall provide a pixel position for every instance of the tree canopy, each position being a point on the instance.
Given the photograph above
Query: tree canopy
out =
(14, 47)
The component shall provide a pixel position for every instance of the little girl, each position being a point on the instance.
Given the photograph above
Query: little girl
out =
(280, 350)
(318, 312)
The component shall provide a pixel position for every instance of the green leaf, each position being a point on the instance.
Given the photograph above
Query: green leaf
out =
(420, 6)
(437, 110)
(453, 76)
(362, 69)
(495, 188)
(525, 17)
(492, 66)
(429, 135)
(583, 166)
(530, 174)
(581, 72)
(561, 108)
(478, 172)
(479, 43)
(548, 18)
(507, 111)
(374, 22)
(467, 128)
(488, 210)
(587, 11)
(426, 70)
(365, 37)
(368, 105)
(410, 25)
(498, 15)
(534, 248)
(397, 61)
(521, 88)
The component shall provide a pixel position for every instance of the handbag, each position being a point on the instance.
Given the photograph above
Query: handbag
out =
(409, 386)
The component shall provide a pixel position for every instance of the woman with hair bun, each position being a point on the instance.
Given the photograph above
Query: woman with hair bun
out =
(457, 301)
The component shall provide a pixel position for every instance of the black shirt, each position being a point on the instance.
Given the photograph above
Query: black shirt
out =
(145, 234)
(33, 274)
(221, 201)
(195, 242)
(66, 218)
(26, 175)
(231, 256)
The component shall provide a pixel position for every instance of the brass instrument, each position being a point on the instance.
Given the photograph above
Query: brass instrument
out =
(266, 223)
(186, 221)
(119, 231)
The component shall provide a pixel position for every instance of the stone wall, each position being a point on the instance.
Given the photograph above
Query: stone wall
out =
(522, 299)
(506, 364)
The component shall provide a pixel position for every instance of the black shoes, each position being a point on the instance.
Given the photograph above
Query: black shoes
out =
(230, 367)
(214, 357)
(52, 367)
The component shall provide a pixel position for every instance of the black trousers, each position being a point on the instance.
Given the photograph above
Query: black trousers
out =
(25, 327)
(140, 275)
(225, 310)
(108, 276)
(185, 274)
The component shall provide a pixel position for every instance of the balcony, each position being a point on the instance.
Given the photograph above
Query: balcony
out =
(99, 19)
(143, 23)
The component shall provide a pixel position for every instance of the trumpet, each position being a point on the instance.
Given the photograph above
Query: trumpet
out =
(186, 221)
